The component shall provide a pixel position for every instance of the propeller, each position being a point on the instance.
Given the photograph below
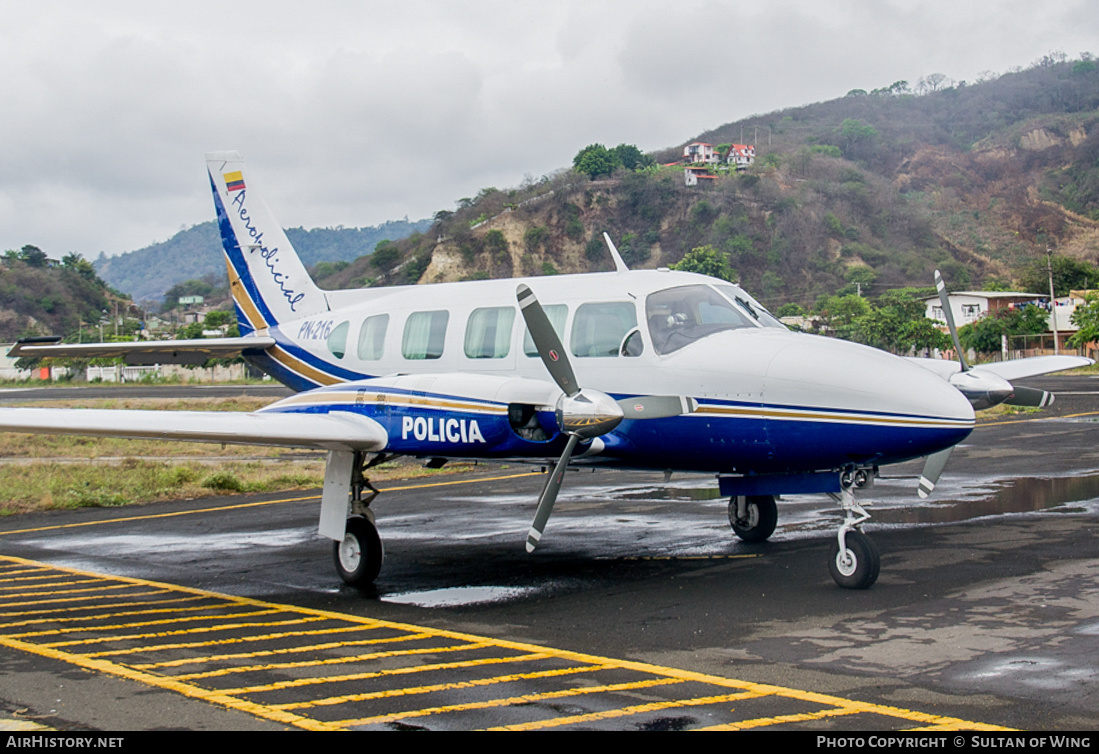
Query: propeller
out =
(981, 387)
(582, 413)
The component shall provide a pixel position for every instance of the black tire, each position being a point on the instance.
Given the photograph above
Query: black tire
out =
(359, 556)
(759, 523)
(859, 566)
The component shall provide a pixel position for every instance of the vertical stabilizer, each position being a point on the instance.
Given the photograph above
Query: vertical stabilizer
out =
(267, 279)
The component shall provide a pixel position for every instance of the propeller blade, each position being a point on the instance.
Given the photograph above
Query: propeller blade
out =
(546, 341)
(657, 406)
(549, 495)
(932, 470)
(1030, 396)
(940, 286)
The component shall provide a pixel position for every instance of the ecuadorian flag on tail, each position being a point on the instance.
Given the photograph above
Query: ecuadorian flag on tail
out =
(234, 181)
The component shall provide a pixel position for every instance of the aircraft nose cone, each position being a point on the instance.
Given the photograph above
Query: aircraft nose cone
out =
(869, 405)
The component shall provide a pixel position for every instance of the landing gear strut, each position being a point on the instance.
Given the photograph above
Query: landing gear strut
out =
(359, 555)
(754, 517)
(853, 560)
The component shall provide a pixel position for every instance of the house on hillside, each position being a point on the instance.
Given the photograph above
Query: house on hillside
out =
(740, 155)
(699, 152)
(968, 306)
(692, 174)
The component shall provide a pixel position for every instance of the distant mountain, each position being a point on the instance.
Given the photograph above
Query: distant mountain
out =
(869, 192)
(147, 273)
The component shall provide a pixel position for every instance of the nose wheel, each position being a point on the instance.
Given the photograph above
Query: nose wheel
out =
(854, 564)
(853, 559)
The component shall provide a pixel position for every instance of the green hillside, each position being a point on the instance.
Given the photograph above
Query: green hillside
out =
(146, 274)
(40, 296)
(873, 190)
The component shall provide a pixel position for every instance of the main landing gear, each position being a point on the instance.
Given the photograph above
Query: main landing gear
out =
(359, 555)
(753, 517)
(853, 560)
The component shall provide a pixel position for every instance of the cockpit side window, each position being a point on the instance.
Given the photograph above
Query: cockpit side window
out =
(598, 329)
(679, 316)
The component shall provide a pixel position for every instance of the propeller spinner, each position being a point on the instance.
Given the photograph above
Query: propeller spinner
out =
(582, 413)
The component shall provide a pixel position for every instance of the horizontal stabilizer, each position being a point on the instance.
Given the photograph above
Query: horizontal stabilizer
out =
(194, 352)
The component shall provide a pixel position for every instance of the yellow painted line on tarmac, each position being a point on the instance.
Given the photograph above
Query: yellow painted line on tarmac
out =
(257, 504)
(629, 711)
(1035, 419)
(370, 689)
(472, 684)
(508, 702)
(460, 665)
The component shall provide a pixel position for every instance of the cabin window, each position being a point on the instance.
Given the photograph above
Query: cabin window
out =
(424, 335)
(337, 339)
(599, 329)
(488, 332)
(372, 337)
(680, 316)
(557, 314)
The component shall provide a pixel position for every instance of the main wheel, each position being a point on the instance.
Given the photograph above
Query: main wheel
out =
(359, 555)
(858, 565)
(758, 523)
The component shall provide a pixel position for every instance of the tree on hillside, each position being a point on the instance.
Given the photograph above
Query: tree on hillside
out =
(630, 157)
(594, 160)
(1068, 274)
(1086, 317)
(706, 260)
(985, 334)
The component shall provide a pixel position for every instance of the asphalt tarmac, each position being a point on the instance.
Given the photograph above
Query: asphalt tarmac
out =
(986, 611)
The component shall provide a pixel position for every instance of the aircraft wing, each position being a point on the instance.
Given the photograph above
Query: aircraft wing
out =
(195, 352)
(336, 430)
(1034, 366)
(1016, 369)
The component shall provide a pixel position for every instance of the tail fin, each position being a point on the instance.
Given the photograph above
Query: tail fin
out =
(267, 279)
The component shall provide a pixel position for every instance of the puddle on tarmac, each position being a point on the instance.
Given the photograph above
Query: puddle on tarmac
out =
(668, 493)
(1022, 495)
(462, 595)
(900, 505)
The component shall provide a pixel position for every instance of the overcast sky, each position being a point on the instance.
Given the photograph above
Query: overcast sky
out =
(353, 113)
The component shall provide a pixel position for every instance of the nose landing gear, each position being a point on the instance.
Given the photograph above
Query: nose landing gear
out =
(853, 560)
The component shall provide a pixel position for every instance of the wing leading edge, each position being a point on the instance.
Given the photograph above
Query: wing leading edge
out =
(336, 430)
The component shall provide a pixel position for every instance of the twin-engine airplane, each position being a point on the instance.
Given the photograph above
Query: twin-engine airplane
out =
(648, 369)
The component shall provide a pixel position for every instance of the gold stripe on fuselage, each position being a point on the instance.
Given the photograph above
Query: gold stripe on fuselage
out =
(390, 399)
(830, 417)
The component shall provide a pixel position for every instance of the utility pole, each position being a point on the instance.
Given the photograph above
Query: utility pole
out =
(1052, 300)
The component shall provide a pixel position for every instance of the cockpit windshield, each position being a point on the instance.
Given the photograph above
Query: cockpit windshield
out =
(679, 316)
(750, 305)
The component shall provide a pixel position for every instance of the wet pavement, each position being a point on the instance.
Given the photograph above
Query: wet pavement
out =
(987, 608)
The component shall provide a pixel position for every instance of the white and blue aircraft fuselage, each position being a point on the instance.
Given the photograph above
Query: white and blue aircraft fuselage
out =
(679, 372)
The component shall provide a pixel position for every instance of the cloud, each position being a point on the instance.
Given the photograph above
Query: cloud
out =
(355, 113)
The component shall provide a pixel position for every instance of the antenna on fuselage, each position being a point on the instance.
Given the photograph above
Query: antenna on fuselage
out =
(619, 265)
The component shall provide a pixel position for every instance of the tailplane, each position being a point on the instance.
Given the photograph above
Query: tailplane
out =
(268, 281)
